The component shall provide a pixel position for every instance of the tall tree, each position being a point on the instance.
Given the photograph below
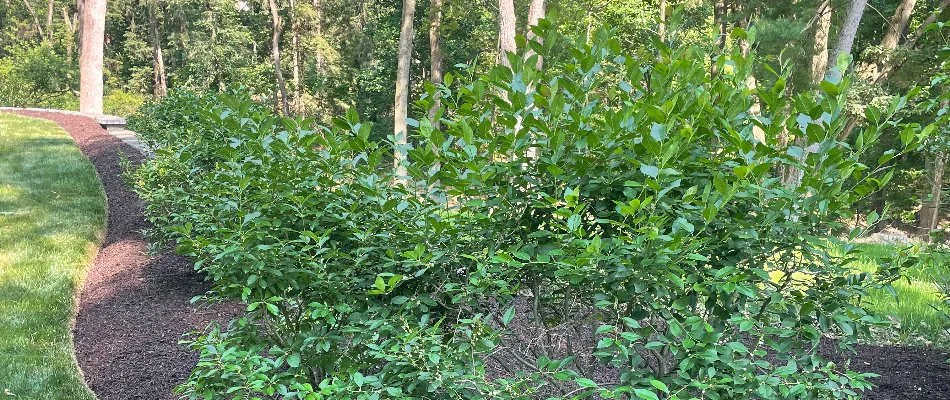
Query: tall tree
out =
(36, 20)
(506, 30)
(721, 24)
(276, 31)
(404, 57)
(297, 59)
(536, 12)
(661, 27)
(934, 166)
(160, 78)
(435, 54)
(90, 57)
(911, 42)
(894, 30)
(819, 57)
(846, 37)
(50, 7)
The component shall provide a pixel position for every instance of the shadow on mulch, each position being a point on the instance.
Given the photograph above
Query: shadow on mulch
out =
(133, 308)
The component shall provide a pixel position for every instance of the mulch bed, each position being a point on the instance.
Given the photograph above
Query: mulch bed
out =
(134, 308)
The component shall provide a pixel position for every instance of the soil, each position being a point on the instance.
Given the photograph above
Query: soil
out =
(134, 307)
(906, 373)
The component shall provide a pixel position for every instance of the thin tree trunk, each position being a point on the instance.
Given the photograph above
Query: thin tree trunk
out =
(819, 57)
(536, 12)
(506, 31)
(318, 8)
(90, 58)
(400, 127)
(36, 20)
(435, 56)
(756, 108)
(661, 28)
(160, 84)
(49, 19)
(930, 205)
(277, 26)
(295, 48)
(70, 34)
(721, 23)
(846, 37)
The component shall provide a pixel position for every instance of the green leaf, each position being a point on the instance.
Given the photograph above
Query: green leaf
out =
(509, 315)
(645, 394)
(649, 170)
(659, 385)
(293, 360)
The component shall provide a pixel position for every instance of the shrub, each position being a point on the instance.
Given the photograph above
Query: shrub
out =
(35, 75)
(606, 226)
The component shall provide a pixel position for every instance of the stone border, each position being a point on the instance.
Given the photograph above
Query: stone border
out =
(112, 124)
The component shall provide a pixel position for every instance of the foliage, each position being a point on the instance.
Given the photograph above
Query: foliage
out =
(607, 225)
(122, 103)
(36, 75)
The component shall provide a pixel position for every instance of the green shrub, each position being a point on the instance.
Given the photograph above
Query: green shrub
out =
(604, 226)
(35, 75)
(122, 103)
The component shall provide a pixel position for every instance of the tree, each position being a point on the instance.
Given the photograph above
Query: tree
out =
(160, 84)
(435, 54)
(90, 56)
(276, 31)
(934, 166)
(846, 37)
(819, 58)
(535, 14)
(404, 57)
(506, 30)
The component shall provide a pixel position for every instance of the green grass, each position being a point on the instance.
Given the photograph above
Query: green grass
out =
(52, 214)
(916, 294)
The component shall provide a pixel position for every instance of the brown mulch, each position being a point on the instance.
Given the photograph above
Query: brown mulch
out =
(134, 307)
(906, 373)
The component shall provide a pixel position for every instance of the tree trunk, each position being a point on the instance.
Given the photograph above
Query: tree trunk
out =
(911, 41)
(49, 19)
(318, 8)
(846, 38)
(661, 28)
(756, 108)
(70, 33)
(298, 61)
(277, 27)
(930, 205)
(400, 127)
(506, 31)
(536, 12)
(435, 56)
(896, 26)
(36, 20)
(720, 22)
(819, 57)
(90, 58)
(160, 84)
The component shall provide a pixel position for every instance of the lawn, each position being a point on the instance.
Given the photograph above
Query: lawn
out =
(52, 214)
(917, 292)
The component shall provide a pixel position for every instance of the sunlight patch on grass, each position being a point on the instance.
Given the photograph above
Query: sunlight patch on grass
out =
(52, 214)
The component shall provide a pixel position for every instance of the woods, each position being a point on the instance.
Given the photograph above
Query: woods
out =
(377, 55)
